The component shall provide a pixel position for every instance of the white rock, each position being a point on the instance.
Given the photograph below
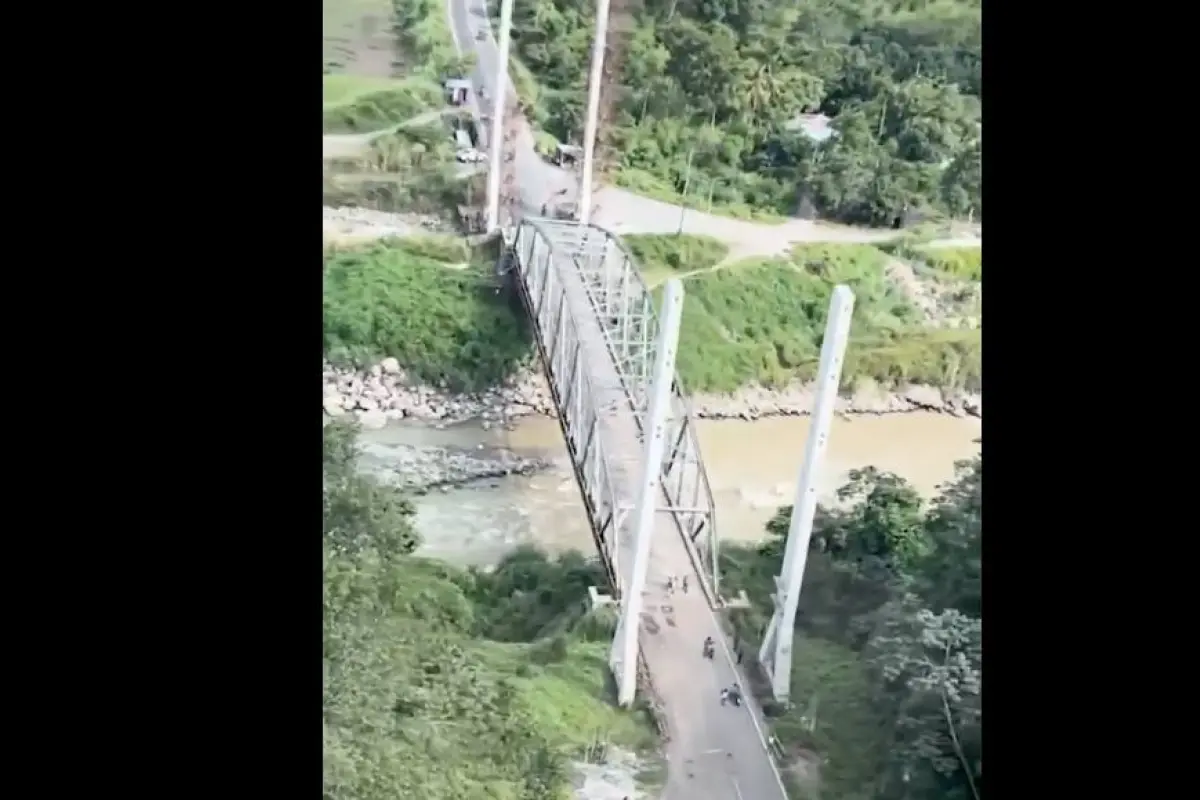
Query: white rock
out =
(390, 365)
(333, 406)
(372, 419)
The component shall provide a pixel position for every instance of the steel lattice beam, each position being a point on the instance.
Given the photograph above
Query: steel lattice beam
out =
(620, 320)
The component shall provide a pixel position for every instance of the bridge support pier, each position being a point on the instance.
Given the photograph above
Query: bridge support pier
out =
(624, 655)
(776, 652)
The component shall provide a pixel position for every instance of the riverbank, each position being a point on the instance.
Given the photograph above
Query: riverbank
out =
(386, 392)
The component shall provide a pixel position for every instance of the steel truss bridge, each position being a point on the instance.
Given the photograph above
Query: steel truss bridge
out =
(597, 332)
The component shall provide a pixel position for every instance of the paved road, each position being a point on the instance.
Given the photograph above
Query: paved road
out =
(538, 182)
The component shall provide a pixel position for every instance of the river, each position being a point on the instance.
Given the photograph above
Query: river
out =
(752, 467)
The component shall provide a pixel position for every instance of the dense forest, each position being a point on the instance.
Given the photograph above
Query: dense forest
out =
(887, 662)
(711, 93)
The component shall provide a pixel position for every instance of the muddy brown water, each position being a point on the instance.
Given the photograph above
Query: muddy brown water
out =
(752, 467)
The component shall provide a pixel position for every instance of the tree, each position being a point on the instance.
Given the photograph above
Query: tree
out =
(950, 575)
(930, 664)
(891, 590)
(748, 67)
(883, 527)
(962, 181)
(414, 703)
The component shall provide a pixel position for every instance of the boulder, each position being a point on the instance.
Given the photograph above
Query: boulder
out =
(333, 405)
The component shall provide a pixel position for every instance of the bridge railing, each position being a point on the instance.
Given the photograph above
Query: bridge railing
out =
(571, 386)
(625, 305)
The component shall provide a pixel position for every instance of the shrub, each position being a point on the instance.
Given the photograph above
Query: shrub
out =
(965, 263)
(378, 110)
(657, 253)
(392, 299)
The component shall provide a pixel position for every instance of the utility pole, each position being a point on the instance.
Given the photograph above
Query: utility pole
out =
(592, 124)
(625, 644)
(496, 128)
(776, 652)
(687, 180)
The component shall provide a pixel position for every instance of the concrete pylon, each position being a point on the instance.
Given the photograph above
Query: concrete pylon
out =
(775, 654)
(623, 658)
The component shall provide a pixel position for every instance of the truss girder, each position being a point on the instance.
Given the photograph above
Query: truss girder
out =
(554, 259)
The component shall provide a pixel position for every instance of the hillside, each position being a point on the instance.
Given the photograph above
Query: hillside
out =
(713, 97)
(449, 684)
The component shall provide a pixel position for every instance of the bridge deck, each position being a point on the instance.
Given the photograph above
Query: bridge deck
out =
(715, 752)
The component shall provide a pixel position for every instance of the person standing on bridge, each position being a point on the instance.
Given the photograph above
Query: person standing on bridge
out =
(684, 584)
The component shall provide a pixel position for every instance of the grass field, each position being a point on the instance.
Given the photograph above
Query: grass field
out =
(362, 110)
(963, 263)
(339, 89)
(944, 263)
(761, 321)
(385, 61)
(573, 701)
(352, 28)
(664, 256)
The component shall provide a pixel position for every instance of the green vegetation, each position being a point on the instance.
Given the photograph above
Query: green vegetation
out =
(887, 663)
(344, 26)
(662, 256)
(411, 169)
(416, 300)
(424, 37)
(352, 31)
(377, 110)
(961, 263)
(762, 321)
(650, 185)
(448, 684)
(338, 88)
(711, 92)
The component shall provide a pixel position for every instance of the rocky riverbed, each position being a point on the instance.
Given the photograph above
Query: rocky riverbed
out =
(385, 392)
(421, 468)
(757, 402)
